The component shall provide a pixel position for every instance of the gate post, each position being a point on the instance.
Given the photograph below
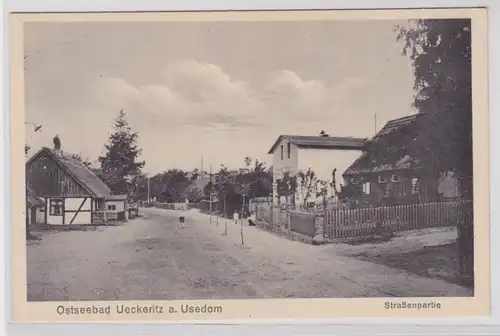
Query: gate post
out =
(319, 222)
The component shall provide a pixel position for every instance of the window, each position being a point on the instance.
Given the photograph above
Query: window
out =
(415, 188)
(56, 207)
(382, 179)
(111, 207)
(395, 178)
(288, 149)
(366, 188)
(281, 152)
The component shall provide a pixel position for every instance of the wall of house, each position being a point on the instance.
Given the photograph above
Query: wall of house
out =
(285, 164)
(46, 178)
(448, 186)
(120, 205)
(39, 215)
(69, 213)
(52, 218)
(71, 206)
(323, 161)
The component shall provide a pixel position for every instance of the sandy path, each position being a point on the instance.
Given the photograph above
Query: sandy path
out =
(153, 258)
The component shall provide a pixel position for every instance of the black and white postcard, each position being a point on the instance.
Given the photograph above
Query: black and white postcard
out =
(202, 166)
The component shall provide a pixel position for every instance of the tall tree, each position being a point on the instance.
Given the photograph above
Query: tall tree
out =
(440, 50)
(441, 54)
(175, 185)
(120, 162)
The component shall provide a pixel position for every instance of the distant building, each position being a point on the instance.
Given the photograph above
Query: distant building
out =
(287, 151)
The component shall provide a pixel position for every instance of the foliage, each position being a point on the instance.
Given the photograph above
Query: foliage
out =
(287, 185)
(175, 185)
(119, 165)
(440, 50)
(307, 185)
(234, 189)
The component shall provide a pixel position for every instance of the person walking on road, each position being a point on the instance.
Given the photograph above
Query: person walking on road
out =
(236, 217)
(181, 216)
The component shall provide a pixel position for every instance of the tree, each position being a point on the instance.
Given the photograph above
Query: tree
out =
(440, 50)
(195, 174)
(223, 186)
(120, 161)
(286, 187)
(307, 184)
(441, 54)
(175, 185)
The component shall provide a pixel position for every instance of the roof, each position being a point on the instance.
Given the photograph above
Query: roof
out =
(77, 169)
(32, 200)
(116, 198)
(396, 124)
(321, 142)
(397, 160)
(200, 183)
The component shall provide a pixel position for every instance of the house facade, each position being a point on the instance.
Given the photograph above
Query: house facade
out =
(34, 208)
(72, 193)
(386, 173)
(292, 153)
(117, 204)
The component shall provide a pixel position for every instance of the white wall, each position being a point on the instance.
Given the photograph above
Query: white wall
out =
(73, 204)
(40, 215)
(120, 205)
(287, 164)
(52, 220)
(323, 161)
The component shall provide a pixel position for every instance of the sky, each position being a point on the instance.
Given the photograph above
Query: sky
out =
(217, 90)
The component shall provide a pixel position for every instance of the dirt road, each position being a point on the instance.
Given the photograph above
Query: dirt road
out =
(153, 257)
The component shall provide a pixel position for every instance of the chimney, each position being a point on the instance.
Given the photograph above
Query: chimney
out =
(57, 146)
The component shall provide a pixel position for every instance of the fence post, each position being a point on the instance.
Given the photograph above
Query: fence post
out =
(319, 222)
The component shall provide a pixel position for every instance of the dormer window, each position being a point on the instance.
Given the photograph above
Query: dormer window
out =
(395, 178)
(382, 179)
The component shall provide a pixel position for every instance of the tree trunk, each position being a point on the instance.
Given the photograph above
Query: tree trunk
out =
(241, 220)
(225, 214)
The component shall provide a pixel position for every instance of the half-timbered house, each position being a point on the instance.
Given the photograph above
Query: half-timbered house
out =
(71, 191)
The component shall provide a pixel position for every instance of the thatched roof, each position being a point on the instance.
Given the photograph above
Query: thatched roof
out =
(389, 148)
(33, 200)
(77, 169)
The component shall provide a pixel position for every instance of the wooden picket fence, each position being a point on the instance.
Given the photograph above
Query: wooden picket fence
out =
(175, 206)
(353, 223)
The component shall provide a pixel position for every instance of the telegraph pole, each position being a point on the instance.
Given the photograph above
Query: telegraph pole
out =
(210, 196)
(202, 175)
(149, 191)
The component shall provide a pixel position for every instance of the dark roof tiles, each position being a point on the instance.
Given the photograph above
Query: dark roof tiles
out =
(321, 142)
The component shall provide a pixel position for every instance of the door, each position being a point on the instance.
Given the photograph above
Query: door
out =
(33, 215)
